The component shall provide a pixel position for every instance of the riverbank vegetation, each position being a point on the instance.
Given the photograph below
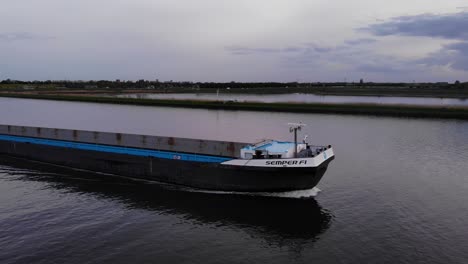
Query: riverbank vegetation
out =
(363, 109)
(443, 89)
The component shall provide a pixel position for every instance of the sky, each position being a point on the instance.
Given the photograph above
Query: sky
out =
(242, 40)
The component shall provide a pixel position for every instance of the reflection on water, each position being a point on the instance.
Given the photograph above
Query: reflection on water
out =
(288, 221)
(305, 98)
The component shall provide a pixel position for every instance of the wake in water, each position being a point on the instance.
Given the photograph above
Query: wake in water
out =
(299, 194)
(13, 171)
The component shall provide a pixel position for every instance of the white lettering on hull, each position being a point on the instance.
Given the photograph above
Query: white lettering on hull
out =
(286, 162)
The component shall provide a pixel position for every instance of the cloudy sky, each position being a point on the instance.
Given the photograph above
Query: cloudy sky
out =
(242, 40)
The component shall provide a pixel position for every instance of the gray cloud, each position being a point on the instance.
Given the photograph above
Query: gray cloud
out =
(354, 54)
(448, 26)
(307, 48)
(460, 55)
(360, 41)
(242, 50)
(381, 68)
(323, 49)
(292, 49)
(453, 55)
(14, 36)
(350, 54)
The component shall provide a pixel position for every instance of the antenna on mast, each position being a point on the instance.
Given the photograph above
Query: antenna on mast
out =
(294, 127)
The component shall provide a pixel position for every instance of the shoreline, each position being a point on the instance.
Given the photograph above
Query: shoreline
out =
(449, 94)
(451, 112)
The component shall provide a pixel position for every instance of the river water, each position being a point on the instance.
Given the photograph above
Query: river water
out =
(305, 98)
(396, 193)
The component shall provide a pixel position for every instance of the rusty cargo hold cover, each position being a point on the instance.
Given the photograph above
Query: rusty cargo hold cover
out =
(186, 145)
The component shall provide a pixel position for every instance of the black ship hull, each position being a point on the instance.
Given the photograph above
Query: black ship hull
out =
(196, 174)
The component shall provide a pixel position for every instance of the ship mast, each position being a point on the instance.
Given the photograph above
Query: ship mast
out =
(294, 127)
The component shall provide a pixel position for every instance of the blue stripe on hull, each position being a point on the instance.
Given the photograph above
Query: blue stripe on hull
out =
(114, 149)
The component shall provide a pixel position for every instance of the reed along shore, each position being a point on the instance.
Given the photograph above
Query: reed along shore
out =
(347, 108)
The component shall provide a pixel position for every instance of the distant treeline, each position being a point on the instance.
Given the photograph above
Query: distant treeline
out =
(156, 84)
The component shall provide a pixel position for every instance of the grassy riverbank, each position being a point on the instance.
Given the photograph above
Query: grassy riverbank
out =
(360, 109)
(436, 90)
(432, 92)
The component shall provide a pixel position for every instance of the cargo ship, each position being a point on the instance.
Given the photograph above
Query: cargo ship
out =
(266, 166)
